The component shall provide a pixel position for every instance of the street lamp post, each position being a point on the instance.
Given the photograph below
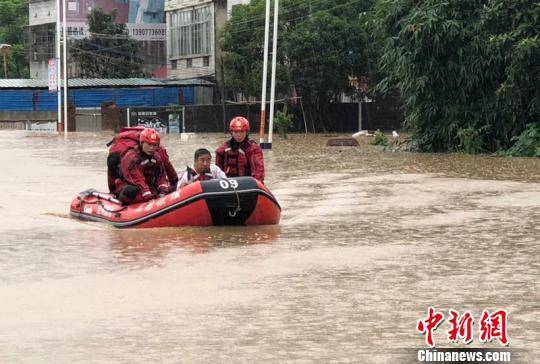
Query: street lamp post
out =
(5, 48)
(360, 87)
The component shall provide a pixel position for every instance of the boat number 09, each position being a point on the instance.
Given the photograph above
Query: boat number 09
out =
(225, 184)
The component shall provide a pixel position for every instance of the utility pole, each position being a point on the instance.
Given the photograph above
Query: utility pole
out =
(361, 88)
(5, 48)
(265, 71)
(223, 109)
(273, 85)
(64, 68)
(57, 59)
(359, 95)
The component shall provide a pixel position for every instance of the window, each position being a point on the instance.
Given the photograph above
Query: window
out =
(206, 61)
(190, 32)
(174, 64)
(189, 63)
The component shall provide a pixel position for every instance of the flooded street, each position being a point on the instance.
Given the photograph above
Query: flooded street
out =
(367, 241)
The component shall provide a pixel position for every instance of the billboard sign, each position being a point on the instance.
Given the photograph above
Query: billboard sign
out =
(138, 31)
(144, 19)
(163, 119)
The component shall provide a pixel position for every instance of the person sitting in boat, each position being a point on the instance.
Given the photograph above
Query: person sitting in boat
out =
(127, 138)
(202, 169)
(143, 173)
(240, 156)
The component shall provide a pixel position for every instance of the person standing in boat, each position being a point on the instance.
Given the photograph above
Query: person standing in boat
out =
(240, 156)
(143, 172)
(202, 169)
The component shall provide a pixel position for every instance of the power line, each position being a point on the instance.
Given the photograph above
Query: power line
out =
(116, 59)
(259, 17)
(291, 8)
(195, 68)
(96, 53)
(283, 20)
(106, 49)
(282, 11)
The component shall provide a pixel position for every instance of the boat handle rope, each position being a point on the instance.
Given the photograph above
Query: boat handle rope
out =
(99, 202)
(238, 208)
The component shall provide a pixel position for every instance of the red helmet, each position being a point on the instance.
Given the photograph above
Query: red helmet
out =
(149, 136)
(239, 123)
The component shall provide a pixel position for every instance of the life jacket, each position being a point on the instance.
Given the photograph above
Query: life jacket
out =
(191, 174)
(150, 167)
(235, 160)
(144, 172)
(125, 140)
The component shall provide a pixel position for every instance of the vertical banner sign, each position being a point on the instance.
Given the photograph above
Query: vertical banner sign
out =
(52, 76)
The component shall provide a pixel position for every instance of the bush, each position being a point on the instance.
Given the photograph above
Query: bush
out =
(471, 139)
(527, 144)
(176, 111)
(380, 139)
(283, 123)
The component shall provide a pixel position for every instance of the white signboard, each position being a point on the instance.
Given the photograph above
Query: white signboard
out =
(138, 31)
(53, 85)
(43, 126)
(144, 31)
(77, 30)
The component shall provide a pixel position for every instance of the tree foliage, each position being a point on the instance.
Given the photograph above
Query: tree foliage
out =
(13, 20)
(467, 71)
(109, 52)
(283, 123)
(320, 43)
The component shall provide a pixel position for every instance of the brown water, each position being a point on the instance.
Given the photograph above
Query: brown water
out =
(368, 240)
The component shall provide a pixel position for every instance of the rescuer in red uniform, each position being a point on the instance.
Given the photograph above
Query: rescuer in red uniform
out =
(240, 156)
(143, 173)
(121, 143)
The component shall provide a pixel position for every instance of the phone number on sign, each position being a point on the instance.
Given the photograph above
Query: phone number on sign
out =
(148, 32)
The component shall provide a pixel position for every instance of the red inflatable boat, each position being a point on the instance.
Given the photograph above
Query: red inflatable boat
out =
(233, 201)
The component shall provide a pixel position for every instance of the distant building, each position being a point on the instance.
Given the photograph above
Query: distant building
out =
(144, 20)
(29, 102)
(192, 31)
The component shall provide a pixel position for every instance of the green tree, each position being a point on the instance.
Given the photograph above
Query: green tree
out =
(13, 20)
(467, 71)
(109, 52)
(513, 30)
(320, 43)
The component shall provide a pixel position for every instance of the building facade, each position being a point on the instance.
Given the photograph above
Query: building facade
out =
(192, 38)
(144, 19)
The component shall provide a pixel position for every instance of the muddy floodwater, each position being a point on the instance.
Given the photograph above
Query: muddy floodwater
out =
(368, 240)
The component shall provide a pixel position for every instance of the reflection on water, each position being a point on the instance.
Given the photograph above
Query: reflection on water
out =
(152, 244)
(368, 239)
